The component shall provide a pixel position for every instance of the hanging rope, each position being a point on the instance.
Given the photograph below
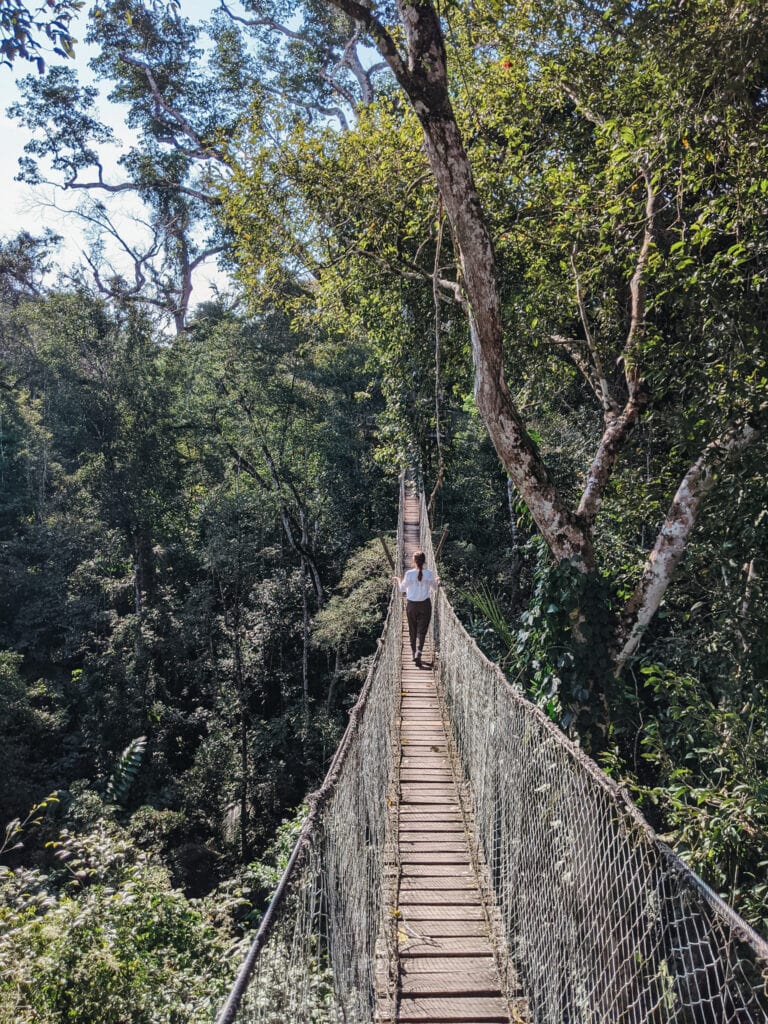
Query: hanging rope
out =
(438, 327)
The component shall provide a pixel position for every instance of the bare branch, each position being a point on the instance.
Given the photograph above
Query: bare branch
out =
(363, 76)
(132, 186)
(203, 151)
(618, 428)
(602, 392)
(573, 347)
(590, 115)
(380, 36)
(415, 273)
(681, 518)
(636, 284)
(263, 22)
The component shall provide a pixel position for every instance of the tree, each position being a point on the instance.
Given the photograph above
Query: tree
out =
(150, 55)
(596, 198)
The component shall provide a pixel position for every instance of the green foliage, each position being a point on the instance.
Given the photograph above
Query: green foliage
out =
(26, 31)
(354, 612)
(559, 651)
(126, 769)
(15, 830)
(107, 940)
(710, 760)
(173, 516)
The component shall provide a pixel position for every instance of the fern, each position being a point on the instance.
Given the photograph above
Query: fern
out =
(126, 770)
(489, 607)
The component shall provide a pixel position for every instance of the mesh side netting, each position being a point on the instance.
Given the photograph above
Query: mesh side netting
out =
(603, 922)
(324, 953)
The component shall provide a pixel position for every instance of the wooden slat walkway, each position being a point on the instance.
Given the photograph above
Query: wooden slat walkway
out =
(447, 969)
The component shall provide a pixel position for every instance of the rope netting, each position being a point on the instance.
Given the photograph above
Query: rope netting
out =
(603, 922)
(325, 950)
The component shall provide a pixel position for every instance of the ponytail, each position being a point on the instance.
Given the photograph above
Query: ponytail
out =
(420, 558)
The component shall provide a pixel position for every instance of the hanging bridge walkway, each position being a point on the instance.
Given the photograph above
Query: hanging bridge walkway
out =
(463, 862)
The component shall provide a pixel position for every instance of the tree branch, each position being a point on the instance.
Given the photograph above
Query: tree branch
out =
(676, 529)
(263, 22)
(573, 347)
(380, 36)
(202, 150)
(602, 392)
(636, 284)
(618, 428)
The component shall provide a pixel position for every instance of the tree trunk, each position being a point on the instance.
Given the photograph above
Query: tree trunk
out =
(304, 651)
(425, 81)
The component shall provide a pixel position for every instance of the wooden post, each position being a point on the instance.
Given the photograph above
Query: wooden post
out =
(440, 543)
(390, 559)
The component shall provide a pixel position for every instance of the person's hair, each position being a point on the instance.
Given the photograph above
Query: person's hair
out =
(419, 558)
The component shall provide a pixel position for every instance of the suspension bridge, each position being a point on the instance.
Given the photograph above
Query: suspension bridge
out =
(465, 862)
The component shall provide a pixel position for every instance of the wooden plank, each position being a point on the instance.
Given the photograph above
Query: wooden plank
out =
(425, 763)
(467, 1010)
(436, 812)
(415, 846)
(437, 793)
(457, 858)
(413, 814)
(437, 964)
(451, 883)
(426, 737)
(436, 897)
(467, 912)
(478, 982)
(449, 945)
(430, 786)
(439, 807)
(433, 870)
(437, 928)
(422, 748)
(429, 800)
(434, 780)
(411, 820)
(434, 828)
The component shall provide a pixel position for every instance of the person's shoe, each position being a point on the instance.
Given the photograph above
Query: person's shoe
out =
(417, 657)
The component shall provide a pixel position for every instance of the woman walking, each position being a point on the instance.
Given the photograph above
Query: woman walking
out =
(417, 584)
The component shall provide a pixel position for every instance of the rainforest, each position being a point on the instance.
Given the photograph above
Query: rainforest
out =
(519, 249)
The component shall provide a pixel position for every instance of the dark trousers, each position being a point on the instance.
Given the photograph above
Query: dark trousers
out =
(418, 613)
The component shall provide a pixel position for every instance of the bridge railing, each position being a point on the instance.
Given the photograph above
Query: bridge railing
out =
(321, 952)
(603, 922)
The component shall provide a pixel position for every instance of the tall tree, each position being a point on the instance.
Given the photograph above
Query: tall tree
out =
(611, 195)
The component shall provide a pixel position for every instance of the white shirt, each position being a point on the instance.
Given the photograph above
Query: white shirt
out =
(418, 590)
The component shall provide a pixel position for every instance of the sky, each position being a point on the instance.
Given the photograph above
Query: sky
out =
(23, 207)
